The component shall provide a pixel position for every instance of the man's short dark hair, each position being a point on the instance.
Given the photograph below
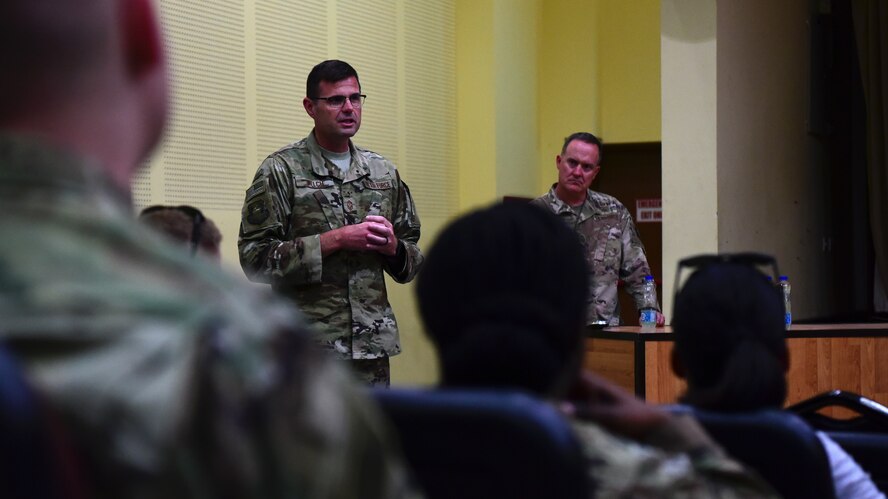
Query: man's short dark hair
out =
(185, 224)
(583, 137)
(331, 71)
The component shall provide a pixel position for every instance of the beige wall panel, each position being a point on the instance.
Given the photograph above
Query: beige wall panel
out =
(688, 75)
(771, 190)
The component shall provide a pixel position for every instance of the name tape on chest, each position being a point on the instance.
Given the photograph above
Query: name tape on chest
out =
(383, 184)
(314, 184)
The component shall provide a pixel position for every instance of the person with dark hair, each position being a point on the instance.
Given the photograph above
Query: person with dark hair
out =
(324, 220)
(185, 225)
(502, 296)
(730, 346)
(610, 242)
(172, 378)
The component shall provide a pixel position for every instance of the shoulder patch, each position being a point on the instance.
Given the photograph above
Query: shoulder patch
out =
(256, 189)
(257, 212)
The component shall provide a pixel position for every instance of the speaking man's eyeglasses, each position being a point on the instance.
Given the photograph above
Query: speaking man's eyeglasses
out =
(337, 101)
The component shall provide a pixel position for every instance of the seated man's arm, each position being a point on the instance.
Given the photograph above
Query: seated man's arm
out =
(659, 455)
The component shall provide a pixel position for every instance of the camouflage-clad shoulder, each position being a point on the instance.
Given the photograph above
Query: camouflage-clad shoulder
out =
(624, 468)
(612, 247)
(164, 360)
(547, 201)
(378, 165)
(372, 155)
(604, 203)
(300, 147)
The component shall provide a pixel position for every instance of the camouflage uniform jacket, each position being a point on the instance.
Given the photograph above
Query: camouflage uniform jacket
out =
(173, 378)
(613, 250)
(677, 460)
(298, 194)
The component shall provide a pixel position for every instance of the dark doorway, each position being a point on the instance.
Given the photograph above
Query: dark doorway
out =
(837, 122)
(631, 172)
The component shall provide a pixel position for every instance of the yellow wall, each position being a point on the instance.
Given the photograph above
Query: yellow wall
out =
(771, 178)
(690, 182)
(740, 172)
(516, 41)
(476, 102)
(497, 91)
(568, 78)
(599, 71)
(629, 70)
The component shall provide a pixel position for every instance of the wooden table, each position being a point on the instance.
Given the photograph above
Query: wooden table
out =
(822, 357)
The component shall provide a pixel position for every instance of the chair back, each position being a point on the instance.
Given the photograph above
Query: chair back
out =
(864, 435)
(779, 446)
(35, 462)
(486, 444)
(869, 415)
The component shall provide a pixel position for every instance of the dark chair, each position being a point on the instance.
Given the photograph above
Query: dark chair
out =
(863, 436)
(485, 444)
(871, 416)
(35, 462)
(782, 448)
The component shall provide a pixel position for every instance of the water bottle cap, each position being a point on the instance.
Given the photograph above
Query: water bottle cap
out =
(648, 278)
(784, 278)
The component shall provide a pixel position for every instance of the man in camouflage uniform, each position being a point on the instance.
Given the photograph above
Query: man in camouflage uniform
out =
(605, 227)
(324, 218)
(171, 378)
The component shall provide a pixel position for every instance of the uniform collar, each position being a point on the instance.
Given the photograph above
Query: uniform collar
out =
(560, 206)
(321, 166)
(30, 164)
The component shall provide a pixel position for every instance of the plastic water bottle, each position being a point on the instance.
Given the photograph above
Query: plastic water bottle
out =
(649, 308)
(785, 288)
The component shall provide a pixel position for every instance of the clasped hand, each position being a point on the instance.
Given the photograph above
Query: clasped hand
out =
(375, 233)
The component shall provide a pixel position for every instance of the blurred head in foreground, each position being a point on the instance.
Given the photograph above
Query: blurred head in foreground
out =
(503, 298)
(185, 225)
(730, 339)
